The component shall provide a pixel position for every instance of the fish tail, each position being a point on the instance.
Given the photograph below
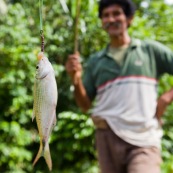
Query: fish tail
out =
(47, 156)
(45, 152)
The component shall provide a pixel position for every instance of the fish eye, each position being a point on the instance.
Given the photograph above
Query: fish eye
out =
(37, 67)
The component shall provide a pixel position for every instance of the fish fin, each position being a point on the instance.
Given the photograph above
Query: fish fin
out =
(47, 156)
(34, 104)
(33, 116)
(53, 124)
(39, 154)
(54, 121)
(33, 113)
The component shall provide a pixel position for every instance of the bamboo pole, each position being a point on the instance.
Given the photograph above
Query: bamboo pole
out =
(76, 34)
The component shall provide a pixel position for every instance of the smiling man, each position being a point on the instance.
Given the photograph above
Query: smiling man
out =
(122, 82)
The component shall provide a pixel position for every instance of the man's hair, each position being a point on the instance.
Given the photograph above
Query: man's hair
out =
(127, 5)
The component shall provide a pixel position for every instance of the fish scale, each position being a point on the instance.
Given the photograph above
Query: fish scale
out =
(40, 98)
(43, 128)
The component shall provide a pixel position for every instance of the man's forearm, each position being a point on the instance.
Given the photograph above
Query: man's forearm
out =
(171, 95)
(81, 97)
(162, 103)
(168, 96)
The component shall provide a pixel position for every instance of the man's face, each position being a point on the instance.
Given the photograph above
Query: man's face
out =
(114, 21)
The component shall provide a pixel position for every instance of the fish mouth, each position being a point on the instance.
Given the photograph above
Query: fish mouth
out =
(41, 77)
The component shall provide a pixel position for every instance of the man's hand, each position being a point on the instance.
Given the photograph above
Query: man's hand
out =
(74, 67)
(162, 103)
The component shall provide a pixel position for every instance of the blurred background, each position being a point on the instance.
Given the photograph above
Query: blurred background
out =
(72, 142)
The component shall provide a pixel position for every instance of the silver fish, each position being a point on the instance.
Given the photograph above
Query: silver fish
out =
(45, 101)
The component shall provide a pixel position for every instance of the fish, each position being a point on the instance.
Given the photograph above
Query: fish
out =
(44, 107)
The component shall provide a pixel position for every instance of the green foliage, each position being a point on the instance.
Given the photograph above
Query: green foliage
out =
(72, 141)
(167, 143)
(16, 78)
(78, 144)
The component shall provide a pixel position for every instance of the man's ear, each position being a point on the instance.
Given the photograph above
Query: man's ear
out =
(129, 20)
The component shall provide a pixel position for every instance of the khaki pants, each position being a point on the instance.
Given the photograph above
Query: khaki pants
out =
(117, 156)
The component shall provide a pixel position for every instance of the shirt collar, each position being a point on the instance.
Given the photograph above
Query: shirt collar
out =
(134, 44)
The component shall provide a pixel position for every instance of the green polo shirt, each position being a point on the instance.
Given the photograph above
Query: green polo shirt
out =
(126, 95)
(142, 58)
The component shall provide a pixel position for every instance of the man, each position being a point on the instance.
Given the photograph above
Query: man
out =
(122, 82)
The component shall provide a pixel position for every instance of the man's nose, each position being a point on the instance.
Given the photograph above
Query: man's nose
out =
(112, 18)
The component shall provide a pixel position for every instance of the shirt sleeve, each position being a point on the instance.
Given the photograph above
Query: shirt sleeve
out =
(164, 58)
(88, 80)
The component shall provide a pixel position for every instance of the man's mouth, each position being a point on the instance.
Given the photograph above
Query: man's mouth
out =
(112, 24)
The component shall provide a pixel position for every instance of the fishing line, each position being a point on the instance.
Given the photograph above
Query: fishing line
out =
(41, 13)
(41, 24)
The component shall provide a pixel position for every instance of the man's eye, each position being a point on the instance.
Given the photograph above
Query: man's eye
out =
(105, 15)
(116, 13)
(37, 67)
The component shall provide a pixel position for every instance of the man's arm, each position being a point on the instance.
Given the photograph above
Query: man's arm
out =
(74, 69)
(81, 97)
(162, 103)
